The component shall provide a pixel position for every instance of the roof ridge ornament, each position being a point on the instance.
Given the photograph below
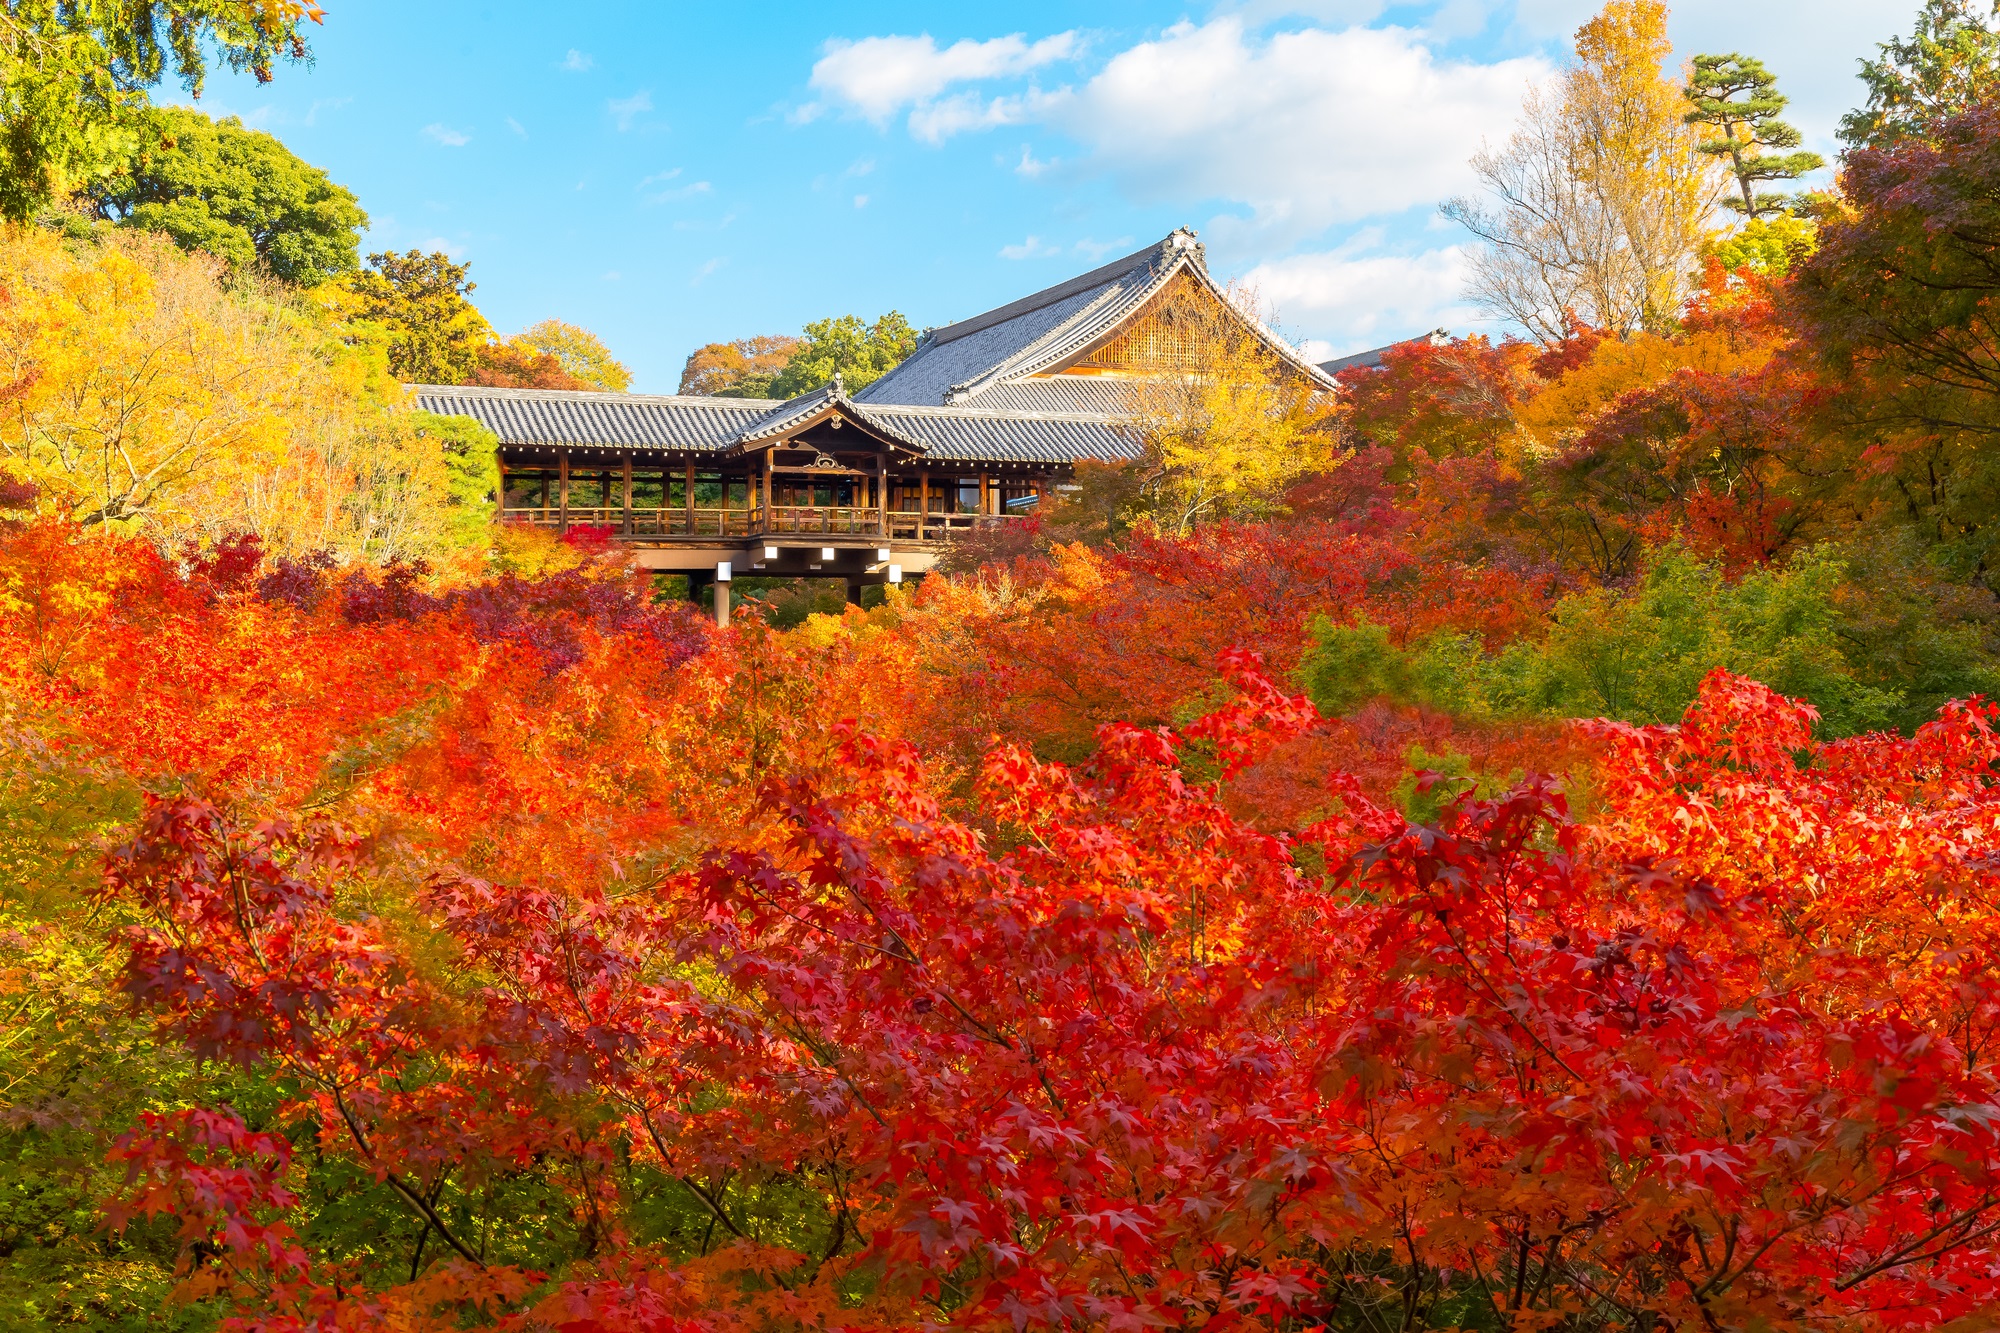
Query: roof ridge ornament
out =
(838, 389)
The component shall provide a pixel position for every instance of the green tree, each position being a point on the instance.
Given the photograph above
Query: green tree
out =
(1739, 99)
(74, 74)
(236, 193)
(433, 333)
(582, 353)
(472, 463)
(1878, 651)
(1949, 62)
(858, 352)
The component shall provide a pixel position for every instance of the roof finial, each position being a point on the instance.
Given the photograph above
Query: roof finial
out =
(838, 389)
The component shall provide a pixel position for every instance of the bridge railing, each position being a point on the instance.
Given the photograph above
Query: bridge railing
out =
(779, 520)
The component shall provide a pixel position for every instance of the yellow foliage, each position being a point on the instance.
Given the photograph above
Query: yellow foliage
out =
(1565, 408)
(1226, 423)
(139, 393)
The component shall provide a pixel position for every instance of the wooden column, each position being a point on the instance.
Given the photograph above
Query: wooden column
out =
(626, 526)
(500, 500)
(769, 455)
(985, 494)
(687, 497)
(923, 500)
(882, 493)
(562, 482)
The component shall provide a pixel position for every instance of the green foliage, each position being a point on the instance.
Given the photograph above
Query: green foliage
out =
(73, 75)
(472, 463)
(859, 353)
(433, 333)
(1738, 98)
(1950, 61)
(237, 194)
(1867, 658)
(1770, 246)
(1432, 782)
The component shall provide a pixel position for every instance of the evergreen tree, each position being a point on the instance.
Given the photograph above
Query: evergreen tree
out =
(434, 335)
(1739, 99)
(237, 194)
(1950, 61)
(859, 353)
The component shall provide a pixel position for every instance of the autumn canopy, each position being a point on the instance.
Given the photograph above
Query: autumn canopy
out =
(1513, 844)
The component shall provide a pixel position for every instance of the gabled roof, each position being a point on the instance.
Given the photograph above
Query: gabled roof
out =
(625, 420)
(960, 364)
(538, 418)
(1373, 357)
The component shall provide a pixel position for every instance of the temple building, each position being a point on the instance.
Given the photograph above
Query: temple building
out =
(977, 426)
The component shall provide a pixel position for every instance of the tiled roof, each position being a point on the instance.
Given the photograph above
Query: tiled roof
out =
(961, 434)
(542, 417)
(626, 420)
(1096, 395)
(963, 364)
(1372, 358)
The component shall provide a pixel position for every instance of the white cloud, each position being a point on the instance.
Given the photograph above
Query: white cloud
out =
(625, 110)
(861, 201)
(1305, 128)
(1811, 45)
(1031, 166)
(576, 62)
(668, 190)
(439, 243)
(708, 267)
(517, 127)
(934, 122)
(1352, 300)
(1032, 248)
(325, 104)
(446, 135)
(1098, 249)
(877, 77)
(1037, 248)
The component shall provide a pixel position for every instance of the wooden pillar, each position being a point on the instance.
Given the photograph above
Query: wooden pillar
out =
(562, 497)
(985, 494)
(882, 494)
(923, 500)
(626, 525)
(722, 573)
(769, 455)
(500, 500)
(687, 497)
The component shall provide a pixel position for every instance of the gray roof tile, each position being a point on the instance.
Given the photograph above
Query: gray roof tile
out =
(625, 420)
(544, 417)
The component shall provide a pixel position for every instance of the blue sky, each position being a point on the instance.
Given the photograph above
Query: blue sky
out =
(669, 175)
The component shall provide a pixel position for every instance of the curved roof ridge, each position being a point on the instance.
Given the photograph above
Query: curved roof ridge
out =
(1064, 340)
(593, 395)
(1083, 282)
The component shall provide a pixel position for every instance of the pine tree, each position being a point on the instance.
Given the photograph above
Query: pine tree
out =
(1950, 61)
(1739, 99)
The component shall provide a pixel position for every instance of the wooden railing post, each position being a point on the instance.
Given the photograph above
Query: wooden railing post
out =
(562, 501)
(689, 497)
(625, 525)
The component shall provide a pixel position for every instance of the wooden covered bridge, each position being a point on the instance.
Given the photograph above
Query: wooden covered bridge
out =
(979, 426)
